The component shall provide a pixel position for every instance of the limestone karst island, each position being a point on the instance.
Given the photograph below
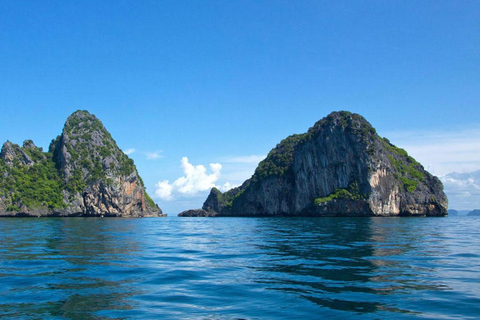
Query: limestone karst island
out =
(340, 167)
(84, 173)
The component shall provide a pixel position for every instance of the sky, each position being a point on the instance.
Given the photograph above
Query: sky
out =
(198, 92)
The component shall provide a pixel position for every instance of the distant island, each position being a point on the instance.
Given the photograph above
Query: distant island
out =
(340, 167)
(452, 212)
(474, 213)
(84, 173)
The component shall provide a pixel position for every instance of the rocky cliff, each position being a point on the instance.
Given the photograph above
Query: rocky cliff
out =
(340, 167)
(84, 173)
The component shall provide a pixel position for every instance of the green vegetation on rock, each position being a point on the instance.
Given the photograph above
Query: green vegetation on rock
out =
(230, 197)
(352, 193)
(126, 165)
(35, 186)
(225, 198)
(150, 201)
(405, 166)
(354, 122)
(338, 149)
(280, 159)
(84, 172)
(93, 152)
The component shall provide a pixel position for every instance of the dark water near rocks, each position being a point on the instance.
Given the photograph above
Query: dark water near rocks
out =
(240, 268)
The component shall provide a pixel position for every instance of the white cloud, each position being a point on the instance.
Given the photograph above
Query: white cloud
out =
(237, 169)
(195, 180)
(149, 155)
(153, 155)
(163, 190)
(463, 190)
(129, 151)
(227, 186)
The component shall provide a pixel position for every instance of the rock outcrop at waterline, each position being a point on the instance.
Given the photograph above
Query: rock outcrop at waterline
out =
(340, 167)
(84, 173)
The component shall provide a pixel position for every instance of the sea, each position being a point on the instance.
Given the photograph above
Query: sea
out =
(240, 268)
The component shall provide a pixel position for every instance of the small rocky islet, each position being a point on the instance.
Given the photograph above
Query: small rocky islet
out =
(339, 167)
(83, 173)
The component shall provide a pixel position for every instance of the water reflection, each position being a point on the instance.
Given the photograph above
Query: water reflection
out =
(235, 268)
(360, 265)
(68, 268)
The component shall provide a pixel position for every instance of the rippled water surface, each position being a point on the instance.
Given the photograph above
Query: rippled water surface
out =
(240, 268)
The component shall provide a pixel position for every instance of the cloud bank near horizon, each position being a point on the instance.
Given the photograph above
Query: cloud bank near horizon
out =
(463, 190)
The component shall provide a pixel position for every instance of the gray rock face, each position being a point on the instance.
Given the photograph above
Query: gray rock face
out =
(84, 166)
(340, 167)
(12, 152)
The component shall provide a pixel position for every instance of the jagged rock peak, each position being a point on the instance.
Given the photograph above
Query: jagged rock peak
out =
(81, 122)
(84, 173)
(12, 154)
(87, 149)
(340, 166)
(100, 178)
(28, 144)
(281, 158)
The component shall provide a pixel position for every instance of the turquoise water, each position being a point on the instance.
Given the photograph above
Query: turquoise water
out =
(240, 268)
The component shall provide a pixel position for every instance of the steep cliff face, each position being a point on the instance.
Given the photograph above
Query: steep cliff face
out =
(83, 174)
(340, 167)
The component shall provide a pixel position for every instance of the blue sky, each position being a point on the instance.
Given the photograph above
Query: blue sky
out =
(222, 82)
